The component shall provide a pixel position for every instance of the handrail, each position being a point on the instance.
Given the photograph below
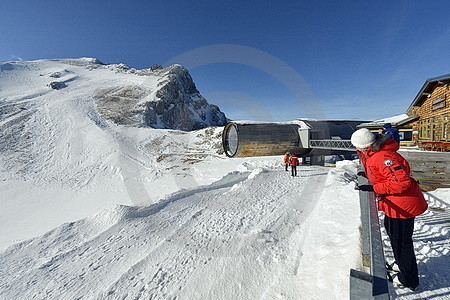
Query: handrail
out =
(373, 285)
(345, 145)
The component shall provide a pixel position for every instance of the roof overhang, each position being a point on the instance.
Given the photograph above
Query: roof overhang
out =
(427, 88)
(395, 121)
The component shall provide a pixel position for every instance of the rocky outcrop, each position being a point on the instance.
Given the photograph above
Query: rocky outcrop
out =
(176, 102)
(179, 105)
(57, 85)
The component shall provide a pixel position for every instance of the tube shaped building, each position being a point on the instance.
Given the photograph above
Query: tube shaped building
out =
(302, 137)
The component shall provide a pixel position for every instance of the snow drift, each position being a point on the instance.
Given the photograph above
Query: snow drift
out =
(251, 234)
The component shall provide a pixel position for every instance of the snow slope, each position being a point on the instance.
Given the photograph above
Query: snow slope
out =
(61, 160)
(242, 237)
(256, 233)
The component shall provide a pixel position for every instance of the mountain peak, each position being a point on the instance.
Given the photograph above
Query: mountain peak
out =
(163, 98)
(179, 104)
(82, 61)
(168, 99)
(174, 103)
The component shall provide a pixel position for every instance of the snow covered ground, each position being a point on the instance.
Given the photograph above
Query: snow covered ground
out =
(254, 234)
(93, 210)
(432, 247)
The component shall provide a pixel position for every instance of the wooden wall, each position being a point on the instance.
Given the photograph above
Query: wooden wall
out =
(430, 169)
(434, 119)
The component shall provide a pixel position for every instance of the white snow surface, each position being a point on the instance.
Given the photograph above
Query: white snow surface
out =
(92, 210)
(393, 120)
(301, 124)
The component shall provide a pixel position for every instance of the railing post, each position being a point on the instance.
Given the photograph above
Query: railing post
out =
(378, 263)
(373, 285)
(360, 285)
(364, 201)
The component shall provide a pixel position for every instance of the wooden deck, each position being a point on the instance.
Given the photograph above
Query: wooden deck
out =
(430, 169)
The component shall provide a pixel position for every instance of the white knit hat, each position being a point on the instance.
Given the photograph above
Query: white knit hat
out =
(362, 138)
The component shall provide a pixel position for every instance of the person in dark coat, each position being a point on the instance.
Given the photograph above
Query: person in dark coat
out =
(400, 196)
(391, 131)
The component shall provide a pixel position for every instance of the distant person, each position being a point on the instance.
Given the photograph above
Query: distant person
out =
(286, 160)
(294, 164)
(400, 197)
(391, 131)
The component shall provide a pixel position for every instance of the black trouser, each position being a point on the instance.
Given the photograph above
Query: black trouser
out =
(287, 165)
(294, 170)
(400, 233)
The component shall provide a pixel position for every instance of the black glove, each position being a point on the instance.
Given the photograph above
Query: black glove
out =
(365, 188)
(361, 173)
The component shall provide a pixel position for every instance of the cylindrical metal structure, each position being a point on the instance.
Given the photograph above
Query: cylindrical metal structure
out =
(328, 129)
(303, 137)
(261, 139)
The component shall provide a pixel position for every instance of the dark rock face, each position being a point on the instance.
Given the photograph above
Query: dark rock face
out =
(56, 85)
(179, 104)
(176, 103)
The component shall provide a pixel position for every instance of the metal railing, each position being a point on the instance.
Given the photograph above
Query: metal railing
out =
(371, 285)
(332, 144)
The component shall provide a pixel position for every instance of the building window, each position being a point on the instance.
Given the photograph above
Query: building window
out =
(438, 103)
(422, 129)
(405, 135)
(425, 129)
(421, 134)
(436, 132)
(445, 135)
(446, 129)
(429, 128)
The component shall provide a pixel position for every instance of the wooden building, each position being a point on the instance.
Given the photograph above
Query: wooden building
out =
(430, 110)
(426, 123)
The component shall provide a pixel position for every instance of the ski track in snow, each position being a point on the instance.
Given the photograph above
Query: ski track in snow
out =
(222, 238)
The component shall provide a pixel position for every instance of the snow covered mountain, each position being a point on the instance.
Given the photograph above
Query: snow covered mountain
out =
(79, 129)
(155, 208)
(163, 98)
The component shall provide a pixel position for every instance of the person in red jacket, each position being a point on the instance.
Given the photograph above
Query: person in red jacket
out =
(294, 164)
(401, 199)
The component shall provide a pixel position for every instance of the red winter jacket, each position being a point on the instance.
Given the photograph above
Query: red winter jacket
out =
(294, 160)
(389, 174)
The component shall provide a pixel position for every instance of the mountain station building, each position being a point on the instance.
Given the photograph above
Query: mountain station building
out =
(426, 123)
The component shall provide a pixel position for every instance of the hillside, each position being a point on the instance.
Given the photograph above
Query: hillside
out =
(79, 129)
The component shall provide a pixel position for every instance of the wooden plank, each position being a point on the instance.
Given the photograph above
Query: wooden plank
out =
(426, 155)
(430, 169)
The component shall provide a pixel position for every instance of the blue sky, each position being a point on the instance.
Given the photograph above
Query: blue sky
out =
(260, 60)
